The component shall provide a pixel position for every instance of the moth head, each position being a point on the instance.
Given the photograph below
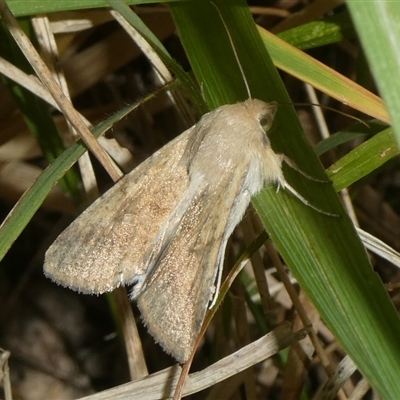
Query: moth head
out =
(266, 122)
(266, 116)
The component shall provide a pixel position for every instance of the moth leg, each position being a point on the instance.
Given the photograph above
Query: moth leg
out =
(218, 279)
(295, 193)
(294, 166)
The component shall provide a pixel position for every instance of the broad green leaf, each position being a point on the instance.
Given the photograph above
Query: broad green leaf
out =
(324, 253)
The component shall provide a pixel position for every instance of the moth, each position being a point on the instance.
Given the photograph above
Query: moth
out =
(164, 226)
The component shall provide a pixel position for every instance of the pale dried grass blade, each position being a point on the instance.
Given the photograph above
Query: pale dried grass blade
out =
(45, 75)
(342, 373)
(47, 42)
(161, 71)
(5, 373)
(380, 248)
(162, 384)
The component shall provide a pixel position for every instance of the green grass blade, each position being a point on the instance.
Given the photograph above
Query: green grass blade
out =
(358, 130)
(24, 8)
(364, 159)
(320, 33)
(299, 64)
(378, 26)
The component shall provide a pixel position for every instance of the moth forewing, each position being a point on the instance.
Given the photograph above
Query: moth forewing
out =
(104, 247)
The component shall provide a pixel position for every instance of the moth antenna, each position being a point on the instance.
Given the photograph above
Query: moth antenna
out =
(326, 108)
(233, 49)
(294, 166)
